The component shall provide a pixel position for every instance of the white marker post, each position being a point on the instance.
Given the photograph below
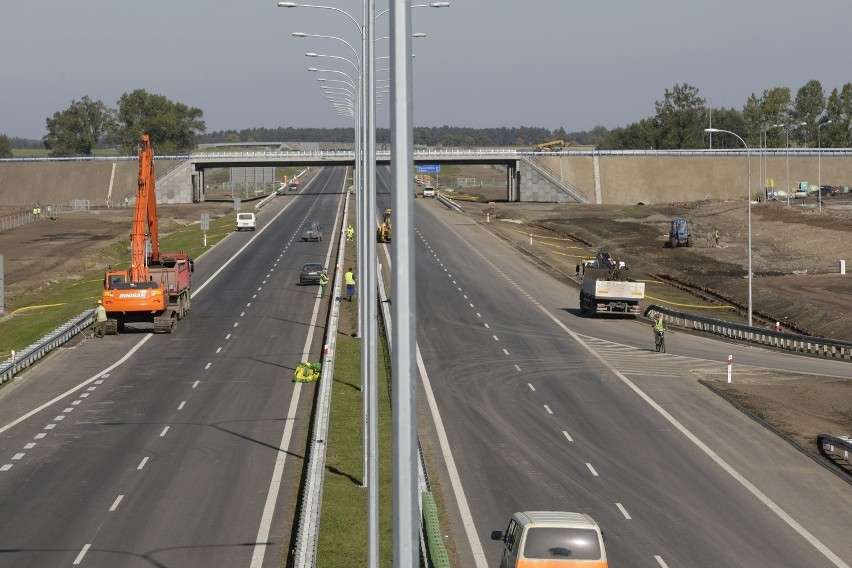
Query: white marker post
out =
(730, 365)
(530, 238)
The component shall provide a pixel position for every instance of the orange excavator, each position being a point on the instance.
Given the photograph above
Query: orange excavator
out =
(156, 287)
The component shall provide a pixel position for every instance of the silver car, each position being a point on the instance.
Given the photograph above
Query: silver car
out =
(312, 231)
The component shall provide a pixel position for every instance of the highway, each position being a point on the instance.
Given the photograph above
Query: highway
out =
(529, 406)
(146, 450)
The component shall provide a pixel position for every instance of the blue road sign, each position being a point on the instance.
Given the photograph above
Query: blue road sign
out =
(429, 168)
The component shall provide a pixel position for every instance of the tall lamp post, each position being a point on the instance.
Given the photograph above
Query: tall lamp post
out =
(819, 163)
(787, 128)
(748, 158)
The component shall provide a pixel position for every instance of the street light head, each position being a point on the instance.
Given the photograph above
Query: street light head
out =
(310, 54)
(313, 69)
(711, 130)
(423, 34)
(300, 34)
(439, 5)
(287, 4)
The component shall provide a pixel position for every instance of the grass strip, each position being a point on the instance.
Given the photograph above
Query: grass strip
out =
(343, 535)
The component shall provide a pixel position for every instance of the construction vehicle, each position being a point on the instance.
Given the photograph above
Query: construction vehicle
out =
(608, 288)
(680, 233)
(383, 233)
(156, 287)
(551, 146)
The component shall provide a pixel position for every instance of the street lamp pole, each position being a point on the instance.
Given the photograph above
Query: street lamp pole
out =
(748, 158)
(819, 163)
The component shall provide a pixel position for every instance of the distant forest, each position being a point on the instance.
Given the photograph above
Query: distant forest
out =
(453, 136)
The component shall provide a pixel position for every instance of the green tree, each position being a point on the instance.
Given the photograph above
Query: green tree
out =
(640, 135)
(75, 130)
(680, 118)
(173, 127)
(838, 109)
(761, 113)
(809, 105)
(5, 146)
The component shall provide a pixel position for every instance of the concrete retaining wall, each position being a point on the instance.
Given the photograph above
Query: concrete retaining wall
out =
(22, 184)
(670, 179)
(624, 180)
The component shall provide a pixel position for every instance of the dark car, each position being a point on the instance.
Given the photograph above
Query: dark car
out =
(310, 273)
(827, 190)
(312, 231)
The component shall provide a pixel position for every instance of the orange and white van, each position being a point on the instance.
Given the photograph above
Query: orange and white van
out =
(552, 539)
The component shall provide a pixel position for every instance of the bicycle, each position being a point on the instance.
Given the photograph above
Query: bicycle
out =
(660, 341)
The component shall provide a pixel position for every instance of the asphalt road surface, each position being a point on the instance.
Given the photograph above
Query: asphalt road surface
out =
(531, 406)
(178, 450)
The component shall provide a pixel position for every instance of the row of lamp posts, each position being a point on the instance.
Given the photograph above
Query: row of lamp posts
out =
(357, 99)
(787, 128)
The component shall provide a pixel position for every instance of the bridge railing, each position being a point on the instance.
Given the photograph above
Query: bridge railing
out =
(805, 344)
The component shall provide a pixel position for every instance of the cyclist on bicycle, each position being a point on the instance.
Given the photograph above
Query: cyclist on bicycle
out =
(659, 328)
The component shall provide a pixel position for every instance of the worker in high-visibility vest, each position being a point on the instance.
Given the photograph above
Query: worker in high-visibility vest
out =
(350, 232)
(349, 278)
(323, 282)
(100, 320)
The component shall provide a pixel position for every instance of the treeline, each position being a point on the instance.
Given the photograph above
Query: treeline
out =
(812, 117)
(453, 136)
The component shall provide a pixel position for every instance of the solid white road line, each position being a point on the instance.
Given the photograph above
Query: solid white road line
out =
(455, 480)
(770, 504)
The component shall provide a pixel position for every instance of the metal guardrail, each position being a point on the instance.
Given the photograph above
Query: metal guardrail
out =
(796, 343)
(35, 351)
(836, 449)
(311, 506)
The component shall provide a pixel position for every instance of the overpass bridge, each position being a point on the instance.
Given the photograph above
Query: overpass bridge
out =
(523, 170)
(619, 177)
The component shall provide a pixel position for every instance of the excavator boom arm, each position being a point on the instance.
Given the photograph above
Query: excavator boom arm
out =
(145, 216)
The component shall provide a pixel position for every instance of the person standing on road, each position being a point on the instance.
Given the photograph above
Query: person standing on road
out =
(350, 233)
(349, 277)
(100, 320)
(323, 282)
(716, 235)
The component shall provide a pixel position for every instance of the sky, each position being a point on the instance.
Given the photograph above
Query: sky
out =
(574, 64)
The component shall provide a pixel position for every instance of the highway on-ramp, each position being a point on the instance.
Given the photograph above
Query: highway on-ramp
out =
(180, 450)
(529, 406)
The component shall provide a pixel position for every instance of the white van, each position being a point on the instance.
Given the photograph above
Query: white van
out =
(555, 539)
(245, 221)
(428, 191)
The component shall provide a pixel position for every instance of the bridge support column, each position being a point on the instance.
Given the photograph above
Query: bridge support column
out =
(198, 186)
